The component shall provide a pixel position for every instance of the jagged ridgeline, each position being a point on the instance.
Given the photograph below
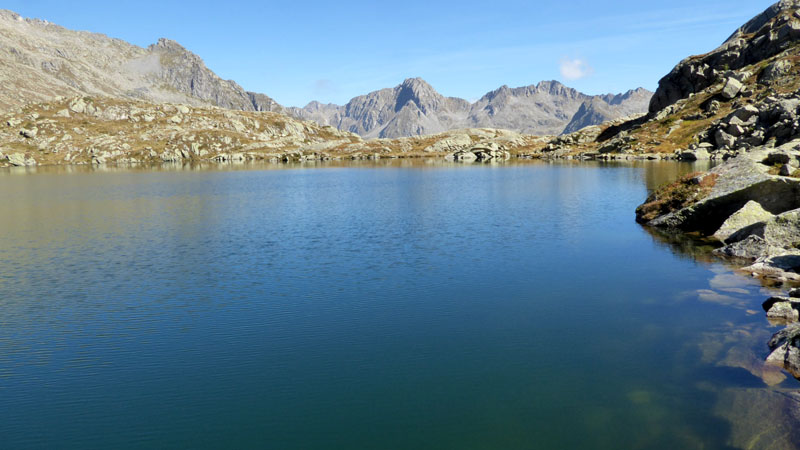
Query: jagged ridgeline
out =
(40, 60)
(415, 108)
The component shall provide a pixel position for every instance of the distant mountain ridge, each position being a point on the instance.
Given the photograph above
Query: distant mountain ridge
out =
(40, 60)
(415, 108)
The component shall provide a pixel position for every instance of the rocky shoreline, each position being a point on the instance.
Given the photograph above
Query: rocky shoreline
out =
(753, 211)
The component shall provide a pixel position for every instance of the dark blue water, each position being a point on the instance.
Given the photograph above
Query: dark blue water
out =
(443, 307)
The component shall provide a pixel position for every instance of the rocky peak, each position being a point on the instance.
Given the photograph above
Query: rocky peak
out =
(555, 88)
(418, 92)
(765, 17)
(168, 44)
(415, 107)
(497, 94)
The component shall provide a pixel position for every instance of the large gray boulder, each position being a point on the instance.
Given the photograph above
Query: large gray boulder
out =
(732, 88)
(751, 213)
(20, 160)
(785, 346)
(782, 230)
(785, 309)
(738, 181)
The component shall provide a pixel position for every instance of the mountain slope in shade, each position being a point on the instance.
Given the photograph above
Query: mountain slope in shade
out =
(415, 108)
(609, 107)
(40, 60)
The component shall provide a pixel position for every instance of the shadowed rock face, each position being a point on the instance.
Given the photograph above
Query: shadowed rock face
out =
(414, 108)
(40, 60)
(768, 34)
(603, 108)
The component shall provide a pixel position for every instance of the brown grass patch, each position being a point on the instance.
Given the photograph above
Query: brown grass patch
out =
(675, 196)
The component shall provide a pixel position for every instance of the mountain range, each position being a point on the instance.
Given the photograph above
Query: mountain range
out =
(40, 60)
(415, 108)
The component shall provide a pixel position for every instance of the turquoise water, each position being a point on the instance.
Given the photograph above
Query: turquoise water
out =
(425, 306)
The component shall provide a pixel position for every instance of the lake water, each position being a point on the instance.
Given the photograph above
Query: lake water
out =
(404, 305)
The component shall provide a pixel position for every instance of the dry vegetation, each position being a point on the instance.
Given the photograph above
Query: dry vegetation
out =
(675, 196)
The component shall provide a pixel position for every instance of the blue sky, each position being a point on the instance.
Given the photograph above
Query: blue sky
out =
(332, 51)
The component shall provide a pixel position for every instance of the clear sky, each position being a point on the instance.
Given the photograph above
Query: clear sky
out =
(331, 51)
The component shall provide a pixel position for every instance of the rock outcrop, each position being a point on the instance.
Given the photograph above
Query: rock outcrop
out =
(755, 213)
(785, 347)
(770, 33)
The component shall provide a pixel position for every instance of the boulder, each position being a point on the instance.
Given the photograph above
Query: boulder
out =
(783, 308)
(700, 154)
(29, 133)
(19, 160)
(450, 144)
(464, 156)
(490, 152)
(724, 139)
(743, 115)
(751, 248)
(732, 88)
(774, 71)
(750, 213)
(77, 106)
(776, 158)
(735, 130)
(784, 312)
(785, 347)
(737, 181)
(782, 230)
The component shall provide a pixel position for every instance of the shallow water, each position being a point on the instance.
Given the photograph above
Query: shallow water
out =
(403, 305)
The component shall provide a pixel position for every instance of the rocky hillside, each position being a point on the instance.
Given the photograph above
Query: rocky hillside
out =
(103, 130)
(743, 95)
(416, 108)
(768, 34)
(40, 60)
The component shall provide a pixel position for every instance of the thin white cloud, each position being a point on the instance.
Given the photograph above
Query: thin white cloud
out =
(575, 69)
(324, 87)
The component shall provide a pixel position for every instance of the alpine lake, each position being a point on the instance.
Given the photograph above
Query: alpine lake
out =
(404, 304)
